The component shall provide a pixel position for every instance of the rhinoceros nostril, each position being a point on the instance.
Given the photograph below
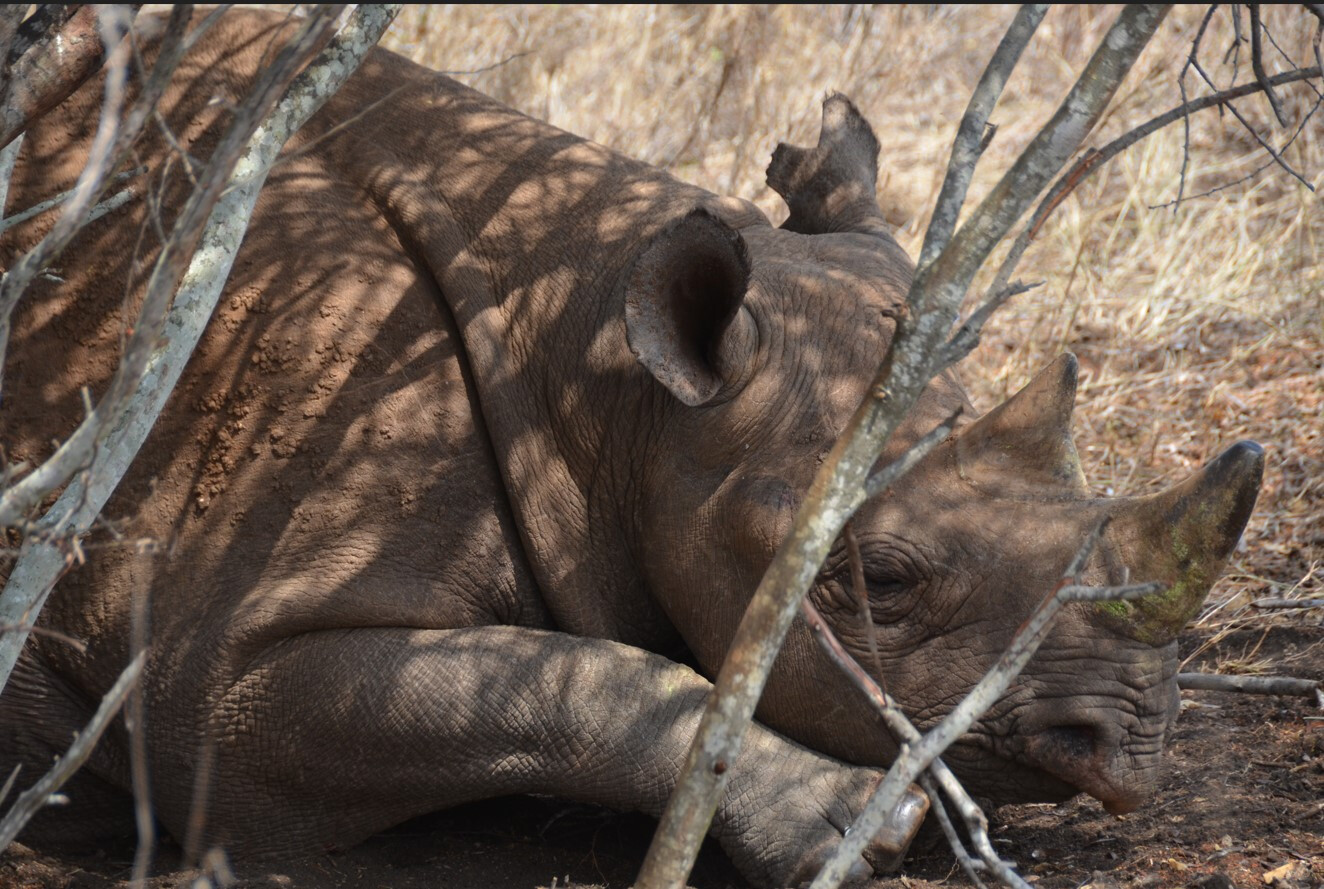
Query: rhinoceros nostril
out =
(1069, 742)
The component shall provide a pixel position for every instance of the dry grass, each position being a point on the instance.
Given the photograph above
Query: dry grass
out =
(1194, 329)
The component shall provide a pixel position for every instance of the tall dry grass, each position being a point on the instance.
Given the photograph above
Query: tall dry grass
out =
(1194, 328)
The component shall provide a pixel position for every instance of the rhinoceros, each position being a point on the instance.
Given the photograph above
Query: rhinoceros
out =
(481, 458)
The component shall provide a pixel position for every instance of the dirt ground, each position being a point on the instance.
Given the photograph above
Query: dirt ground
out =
(1242, 806)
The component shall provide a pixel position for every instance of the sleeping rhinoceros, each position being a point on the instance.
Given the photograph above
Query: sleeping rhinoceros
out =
(493, 428)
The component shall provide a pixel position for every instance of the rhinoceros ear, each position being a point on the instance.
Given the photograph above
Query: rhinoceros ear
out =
(681, 296)
(1023, 446)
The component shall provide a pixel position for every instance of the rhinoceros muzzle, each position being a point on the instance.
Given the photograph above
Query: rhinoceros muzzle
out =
(1119, 772)
(1095, 704)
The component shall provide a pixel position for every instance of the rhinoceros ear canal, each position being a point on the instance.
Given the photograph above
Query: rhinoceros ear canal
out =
(1023, 446)
(681, 296)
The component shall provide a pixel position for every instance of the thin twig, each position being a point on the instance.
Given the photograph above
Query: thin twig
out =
(838, 487)
(906, 734)
(966, 338)
(1258, 170)
(1278, 158)
(37, 796)
(9, 782)
(1257, 64)
(1181, 85)
(51, 203)
(974, 133)
(1264, 26)
(1234, 48)
(970, 865)
(1288, 603)
(77, 644)
(915, 758)
(860, 590)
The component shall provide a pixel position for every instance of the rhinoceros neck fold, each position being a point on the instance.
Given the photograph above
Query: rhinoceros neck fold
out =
(526, 230)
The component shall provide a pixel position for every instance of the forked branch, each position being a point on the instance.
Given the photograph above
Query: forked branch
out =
(915, 356)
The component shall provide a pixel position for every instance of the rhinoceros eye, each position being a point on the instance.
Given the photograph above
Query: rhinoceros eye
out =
(888, 583)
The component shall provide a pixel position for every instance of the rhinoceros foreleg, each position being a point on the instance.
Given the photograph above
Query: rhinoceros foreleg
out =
(336, 735)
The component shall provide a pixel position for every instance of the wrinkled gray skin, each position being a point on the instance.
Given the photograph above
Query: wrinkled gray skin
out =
(491, 420)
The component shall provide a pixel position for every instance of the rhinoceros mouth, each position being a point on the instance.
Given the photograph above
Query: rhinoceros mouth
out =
(1056, 764)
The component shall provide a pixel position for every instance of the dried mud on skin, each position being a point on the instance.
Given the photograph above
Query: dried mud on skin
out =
(1243, 798)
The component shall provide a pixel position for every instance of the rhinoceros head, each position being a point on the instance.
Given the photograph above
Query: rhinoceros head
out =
(766, 341)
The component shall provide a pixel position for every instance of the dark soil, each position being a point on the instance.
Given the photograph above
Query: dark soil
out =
(1243, 806)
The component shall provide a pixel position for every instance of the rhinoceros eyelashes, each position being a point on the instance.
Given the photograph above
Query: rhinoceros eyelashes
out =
(681, 296)
(1023, 446)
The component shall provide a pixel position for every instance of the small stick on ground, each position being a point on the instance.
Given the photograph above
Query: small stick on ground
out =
(1255, 685)
(1288, 603)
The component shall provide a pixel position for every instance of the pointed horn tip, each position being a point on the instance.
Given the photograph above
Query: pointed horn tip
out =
(1239, 471)
(1067, 369)
(1243, 459)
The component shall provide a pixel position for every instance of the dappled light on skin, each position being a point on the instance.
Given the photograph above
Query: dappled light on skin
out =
(457, 460)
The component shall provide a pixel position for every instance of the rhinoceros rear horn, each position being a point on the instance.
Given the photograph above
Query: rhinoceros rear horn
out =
(1023, 446)
(1182, 537)
(681, 297)
(831, 187)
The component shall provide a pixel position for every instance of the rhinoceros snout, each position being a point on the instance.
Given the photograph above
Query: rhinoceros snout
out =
(1116, 771)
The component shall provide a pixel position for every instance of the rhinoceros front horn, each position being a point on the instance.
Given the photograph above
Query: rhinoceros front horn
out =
(1023, 446)
(1181, 537)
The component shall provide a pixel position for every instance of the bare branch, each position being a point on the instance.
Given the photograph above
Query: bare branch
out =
(39, 795)
(56, 62)
(16, 279)
(1094, 160)
(838, 487)
(40, 561)
(1258, 685)
(1257, 64)
(51, 203)
(970, 135)
(41, 25)
(75, 452)
(1278, 158)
